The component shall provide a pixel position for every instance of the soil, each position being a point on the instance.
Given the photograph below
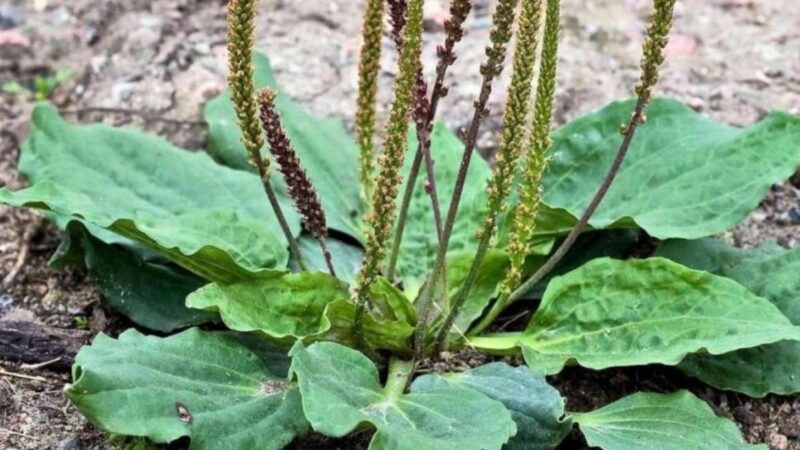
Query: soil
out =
(153, 63)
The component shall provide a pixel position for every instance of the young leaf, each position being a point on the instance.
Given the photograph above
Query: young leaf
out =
(390, 302)
(207, 218)
(378, 334)
(685, 176)
(326, 150)
(418, 249)
(613, 313)
(292, 305)
(770, 272)
(151, 294)
(305, 305)
(341, 390)
(536, 407)
(678, 421)
(202, 385)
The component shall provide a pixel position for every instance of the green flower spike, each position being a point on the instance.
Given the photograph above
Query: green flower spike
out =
(381, 217)
(368, 68)
(535, 164)
(652, 58)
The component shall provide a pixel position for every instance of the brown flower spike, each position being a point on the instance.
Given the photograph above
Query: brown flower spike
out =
(301, 190)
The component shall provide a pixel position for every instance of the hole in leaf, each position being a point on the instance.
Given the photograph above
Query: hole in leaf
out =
(183, 412)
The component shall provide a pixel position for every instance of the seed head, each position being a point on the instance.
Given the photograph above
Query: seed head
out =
(241, 38)
(368, 68)
(300, 188)
(526, 210)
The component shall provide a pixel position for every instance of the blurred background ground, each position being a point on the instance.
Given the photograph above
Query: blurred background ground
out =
(153, 63)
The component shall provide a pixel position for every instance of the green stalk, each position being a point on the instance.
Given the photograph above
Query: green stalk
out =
(398, 378)
(382, 214)
(514, 121)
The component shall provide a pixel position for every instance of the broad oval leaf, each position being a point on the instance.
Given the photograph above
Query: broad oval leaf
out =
(678, 421)
(202, 385)
(685, 176)
(536, 407)
(771, 272)
(292, 305)
(327, 152)
(305, 305)
(341, 390)
(151, 294)
(612, 313)
(418, 249)
(212, 220)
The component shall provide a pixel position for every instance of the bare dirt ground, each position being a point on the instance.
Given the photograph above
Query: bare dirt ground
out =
(153, 63)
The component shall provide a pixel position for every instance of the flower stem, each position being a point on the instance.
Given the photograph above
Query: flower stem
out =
(501, 34)
(323, 245)
(276, 207)
(515, 119)
(459, 10)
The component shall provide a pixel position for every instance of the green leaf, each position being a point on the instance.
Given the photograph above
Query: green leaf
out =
(685, 176)
(197, 384)
(326, 150)
(770, 272)
(152, 295)
(612, 313)
(617, 244)
(418, 249)
(341, 390)
(536, 407)
(390, 303)
(346, 257)
(292, 305)
(379, 334)
(212, 220)
(678, 421)
(304, 305)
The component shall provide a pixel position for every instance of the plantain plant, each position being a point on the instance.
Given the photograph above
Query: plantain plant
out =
(328, 304)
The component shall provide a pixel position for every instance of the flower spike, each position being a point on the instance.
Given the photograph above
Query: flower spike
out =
(381, 216)
(301, 190)
(368, 68)
(241, 38)
(652, 58)
(536, 158)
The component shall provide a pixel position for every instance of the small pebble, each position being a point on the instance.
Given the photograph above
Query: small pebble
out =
(70, 443)
(778, 442)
